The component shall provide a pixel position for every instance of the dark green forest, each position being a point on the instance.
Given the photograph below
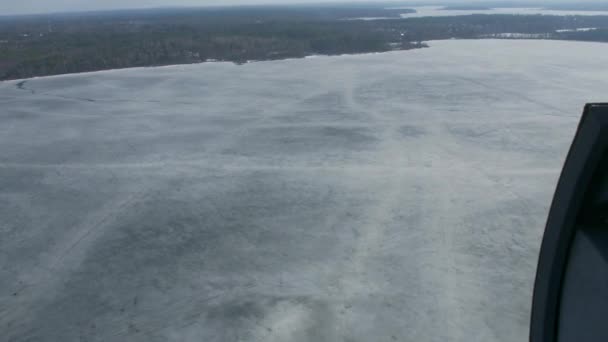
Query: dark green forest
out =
(67, 43)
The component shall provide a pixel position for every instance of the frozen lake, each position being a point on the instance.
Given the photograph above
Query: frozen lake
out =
(439, 11)
(383, 197)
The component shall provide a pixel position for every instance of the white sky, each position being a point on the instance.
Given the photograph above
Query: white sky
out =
(9, 7)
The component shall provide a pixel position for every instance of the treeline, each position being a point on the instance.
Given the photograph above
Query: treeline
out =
(600, 35)
(49, 45)
(68, 43)
(58, 53)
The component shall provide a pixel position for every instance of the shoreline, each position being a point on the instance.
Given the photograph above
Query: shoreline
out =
(427, 45)
(213, 61)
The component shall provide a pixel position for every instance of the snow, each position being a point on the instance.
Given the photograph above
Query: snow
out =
(379, 197)
(580, 29)
(515, 35)
(370, 18)
(439, 11)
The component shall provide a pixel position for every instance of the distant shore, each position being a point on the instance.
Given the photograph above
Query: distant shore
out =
(55, 45)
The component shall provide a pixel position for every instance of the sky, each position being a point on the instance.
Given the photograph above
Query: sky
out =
(11, 7)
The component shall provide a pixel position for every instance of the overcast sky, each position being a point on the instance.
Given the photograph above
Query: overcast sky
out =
(9, 7)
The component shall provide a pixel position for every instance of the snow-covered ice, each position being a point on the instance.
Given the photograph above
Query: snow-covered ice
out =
(383, 197)
(580, 29)
(440, 11)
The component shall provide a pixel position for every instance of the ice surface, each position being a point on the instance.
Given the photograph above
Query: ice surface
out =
(439, 11)
(580, 29)
(386, 197)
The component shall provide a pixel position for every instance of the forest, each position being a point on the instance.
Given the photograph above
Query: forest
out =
(40, 45)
